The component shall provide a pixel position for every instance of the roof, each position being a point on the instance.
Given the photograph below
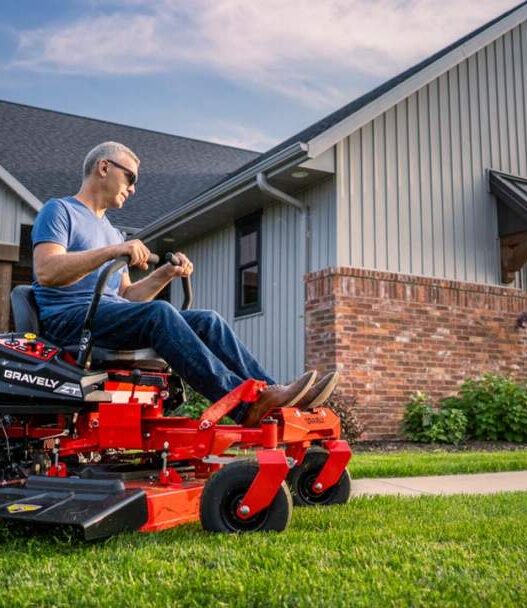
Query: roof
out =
(44, 150)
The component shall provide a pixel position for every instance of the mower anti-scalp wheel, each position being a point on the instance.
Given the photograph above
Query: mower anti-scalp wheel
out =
(222, 495)
(301, 478)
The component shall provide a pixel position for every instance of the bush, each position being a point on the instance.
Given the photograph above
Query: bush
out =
(490, 408)
(418, 418)
(449, 426)
(424, 424)
(194, 405)
(350, 425)
(496, 408)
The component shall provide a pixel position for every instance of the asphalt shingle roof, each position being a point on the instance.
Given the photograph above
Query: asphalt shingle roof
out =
(44, 150)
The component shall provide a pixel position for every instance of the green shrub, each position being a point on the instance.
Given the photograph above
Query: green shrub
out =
(495, 407)
(418, 418)
(424, 424)
(195, 404)
(448, 426)
(489, 408)
(516, 422)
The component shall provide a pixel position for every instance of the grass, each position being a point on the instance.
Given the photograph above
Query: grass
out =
(412, 464)
(382, 551)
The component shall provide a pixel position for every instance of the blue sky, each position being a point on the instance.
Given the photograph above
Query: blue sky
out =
(241, 72)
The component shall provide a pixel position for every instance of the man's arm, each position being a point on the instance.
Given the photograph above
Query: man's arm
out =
(55, 267)
(147, 289)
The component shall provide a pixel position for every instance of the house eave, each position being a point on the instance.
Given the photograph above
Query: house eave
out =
(19, 189)
(225, 191)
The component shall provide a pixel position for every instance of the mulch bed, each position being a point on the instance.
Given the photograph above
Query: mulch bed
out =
(391, 446)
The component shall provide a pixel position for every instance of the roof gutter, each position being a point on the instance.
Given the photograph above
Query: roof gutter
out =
(226, 189)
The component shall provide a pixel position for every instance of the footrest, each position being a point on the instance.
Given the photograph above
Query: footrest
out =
(97, 508)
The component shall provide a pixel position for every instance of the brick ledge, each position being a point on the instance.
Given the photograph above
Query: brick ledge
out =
(411, 279)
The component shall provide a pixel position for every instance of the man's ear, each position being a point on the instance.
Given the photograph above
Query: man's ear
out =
(102, 167)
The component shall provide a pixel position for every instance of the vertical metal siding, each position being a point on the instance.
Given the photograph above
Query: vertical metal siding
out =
(411, 185)
(276, 336)
(13, 213)
(320, 201)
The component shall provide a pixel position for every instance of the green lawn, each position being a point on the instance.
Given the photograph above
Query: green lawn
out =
(411, 464)
(382, 551)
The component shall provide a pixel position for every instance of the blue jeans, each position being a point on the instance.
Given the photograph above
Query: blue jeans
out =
(198, 345)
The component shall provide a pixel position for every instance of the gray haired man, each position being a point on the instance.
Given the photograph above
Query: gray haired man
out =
(73, 238)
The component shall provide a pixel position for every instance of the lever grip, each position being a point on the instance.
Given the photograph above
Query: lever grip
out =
(153, 259)
(185, 282)
(171, 257)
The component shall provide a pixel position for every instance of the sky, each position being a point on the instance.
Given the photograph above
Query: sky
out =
(247, 73)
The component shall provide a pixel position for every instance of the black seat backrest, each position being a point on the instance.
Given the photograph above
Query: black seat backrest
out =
(25, 310)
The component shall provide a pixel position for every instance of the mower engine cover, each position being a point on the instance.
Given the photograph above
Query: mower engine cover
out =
(32, 369)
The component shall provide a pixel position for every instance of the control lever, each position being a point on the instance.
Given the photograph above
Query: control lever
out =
(185, 281)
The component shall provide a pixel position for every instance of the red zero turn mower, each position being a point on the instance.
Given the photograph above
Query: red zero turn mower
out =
(87, 441)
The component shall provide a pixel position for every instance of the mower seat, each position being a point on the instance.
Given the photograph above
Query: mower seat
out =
(25, 315)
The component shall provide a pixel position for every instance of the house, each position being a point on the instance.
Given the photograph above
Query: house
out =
(387, 240)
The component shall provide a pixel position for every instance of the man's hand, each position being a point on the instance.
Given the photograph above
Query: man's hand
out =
(146, 289)
(184, 266)
(138, 252)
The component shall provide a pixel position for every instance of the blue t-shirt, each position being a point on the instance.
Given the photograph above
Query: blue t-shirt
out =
(70, 223)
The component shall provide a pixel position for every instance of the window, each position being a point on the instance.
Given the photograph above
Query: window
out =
(248, 265)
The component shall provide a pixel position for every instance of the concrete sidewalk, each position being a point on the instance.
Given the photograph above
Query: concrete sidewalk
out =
(481, 483)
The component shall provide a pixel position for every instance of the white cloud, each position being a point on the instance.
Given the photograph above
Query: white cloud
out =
(307, 49)
(238, 136)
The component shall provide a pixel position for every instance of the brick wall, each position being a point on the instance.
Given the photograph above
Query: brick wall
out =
(390, 335)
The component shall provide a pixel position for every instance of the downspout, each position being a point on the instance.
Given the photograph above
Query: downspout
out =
(276, 194)
(283, 197)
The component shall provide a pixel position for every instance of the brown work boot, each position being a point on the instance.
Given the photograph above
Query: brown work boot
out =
(319, 393)
(278, 395)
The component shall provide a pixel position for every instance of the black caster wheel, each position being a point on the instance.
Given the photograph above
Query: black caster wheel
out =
(222, 495)
(301, 478)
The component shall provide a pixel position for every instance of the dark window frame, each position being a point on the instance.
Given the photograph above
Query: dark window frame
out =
(244, 226)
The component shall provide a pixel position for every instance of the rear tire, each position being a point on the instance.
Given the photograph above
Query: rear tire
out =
(222, 495)
(301, 478)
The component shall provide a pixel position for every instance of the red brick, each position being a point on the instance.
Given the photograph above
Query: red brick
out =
(390, 335)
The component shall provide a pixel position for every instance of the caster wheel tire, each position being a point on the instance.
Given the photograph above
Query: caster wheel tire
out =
(301, 478)
(222, 495)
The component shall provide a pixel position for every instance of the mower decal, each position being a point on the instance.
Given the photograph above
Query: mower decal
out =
(10, 374)
(22, 508)
(68, 388)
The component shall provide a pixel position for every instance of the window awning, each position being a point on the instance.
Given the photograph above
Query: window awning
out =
(511, 194)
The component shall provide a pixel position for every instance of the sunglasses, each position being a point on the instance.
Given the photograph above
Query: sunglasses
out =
(131, 176)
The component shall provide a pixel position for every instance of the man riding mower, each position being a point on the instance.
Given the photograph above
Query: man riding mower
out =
(88, 440)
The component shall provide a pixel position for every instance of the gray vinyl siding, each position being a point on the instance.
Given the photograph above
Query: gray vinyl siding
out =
(276, 335)
(411, 186)
(322, 224)
(13, 212)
